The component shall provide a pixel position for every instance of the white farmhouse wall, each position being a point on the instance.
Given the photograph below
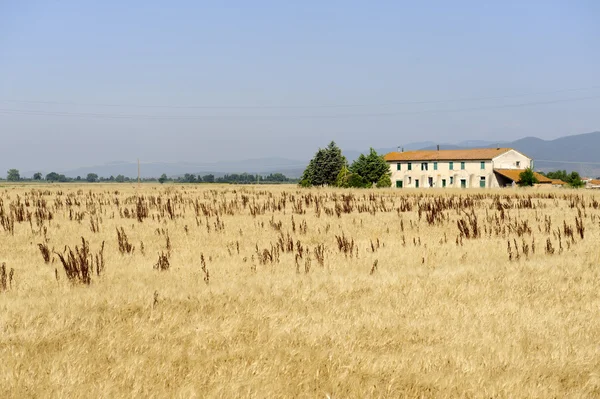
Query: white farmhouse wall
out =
(472, 174)
(511, 160)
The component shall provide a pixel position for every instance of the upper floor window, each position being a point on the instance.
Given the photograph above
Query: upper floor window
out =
(518, 164)
(410, 166)
(435, 166)
(462, 165)
(451, 165)
(482, 165)
(423, 165)
(398, 166)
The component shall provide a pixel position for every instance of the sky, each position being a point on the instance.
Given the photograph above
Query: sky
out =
(85, 82)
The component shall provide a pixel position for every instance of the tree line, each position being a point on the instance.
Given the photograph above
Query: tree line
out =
(14, 175)
(330, 168)
(572, 179)
(234, 178)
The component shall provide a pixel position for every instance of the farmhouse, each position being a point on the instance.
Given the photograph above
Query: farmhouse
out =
(592, 183)
(478, 167)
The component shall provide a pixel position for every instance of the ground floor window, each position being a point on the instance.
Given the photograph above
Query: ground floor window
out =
(451, 180)
(431, 182)
(443, 182)
(463, 183)
(398, 183)
(482, 182)
(417, 183)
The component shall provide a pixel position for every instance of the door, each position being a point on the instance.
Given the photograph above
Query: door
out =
(398, 183)
(443, 182)
(431, 182)
(463, 183)
(482, 182)
(417, 183)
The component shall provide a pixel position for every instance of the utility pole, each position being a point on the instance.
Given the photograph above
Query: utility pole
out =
(138, 173)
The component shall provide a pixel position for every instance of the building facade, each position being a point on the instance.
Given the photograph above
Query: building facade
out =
(481, 167)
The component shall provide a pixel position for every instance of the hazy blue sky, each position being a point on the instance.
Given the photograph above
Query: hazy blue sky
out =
(291, 68)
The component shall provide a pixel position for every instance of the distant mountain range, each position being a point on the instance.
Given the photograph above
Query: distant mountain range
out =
(579, 153)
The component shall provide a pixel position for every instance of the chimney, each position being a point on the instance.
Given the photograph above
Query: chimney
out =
(438, 146)
(402, 149)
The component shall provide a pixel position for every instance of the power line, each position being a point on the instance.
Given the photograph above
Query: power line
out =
(297, 106)
(314, 116)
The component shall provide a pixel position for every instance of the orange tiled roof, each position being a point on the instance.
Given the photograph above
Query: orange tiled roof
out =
(514, 175)
(558, 181)
(473, 154)
(595, 182)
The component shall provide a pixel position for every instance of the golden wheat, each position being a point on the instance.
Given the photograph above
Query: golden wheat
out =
(287, 292)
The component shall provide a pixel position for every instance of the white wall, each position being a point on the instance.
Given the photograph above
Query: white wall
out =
(472, 174)
(509, 160)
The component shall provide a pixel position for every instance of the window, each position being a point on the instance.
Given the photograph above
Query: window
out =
(451, 180)
(518, 164)
(430, 182)
(482, 182)
(423, 165)
(482, 165)
(435, 166)
(398, 166)
(463, 183)
(410, 166)
(462, 166)
(443, 182)
(398, 183)
(417, 183)
(451, 165)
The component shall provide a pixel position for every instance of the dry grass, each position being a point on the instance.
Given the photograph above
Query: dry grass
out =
(282, 292)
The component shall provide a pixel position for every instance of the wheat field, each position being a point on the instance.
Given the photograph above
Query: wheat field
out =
(274, 291)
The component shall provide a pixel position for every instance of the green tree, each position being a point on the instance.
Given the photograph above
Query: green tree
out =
(357, 181)
(37, 176)
(13, 175)
(308, 176)
(162, 178)
(52, 176)
(575, 180)
(343, 178)
(120, 179)
(208, 178)
(325, 167)
(189, 178)
(92, 177)
(385, 181)
(527, 178)
(371, 167)
(559, 174)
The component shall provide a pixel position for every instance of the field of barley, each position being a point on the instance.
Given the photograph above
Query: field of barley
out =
(276, 291)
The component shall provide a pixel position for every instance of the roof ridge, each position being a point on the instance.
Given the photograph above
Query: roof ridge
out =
(449, 154)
